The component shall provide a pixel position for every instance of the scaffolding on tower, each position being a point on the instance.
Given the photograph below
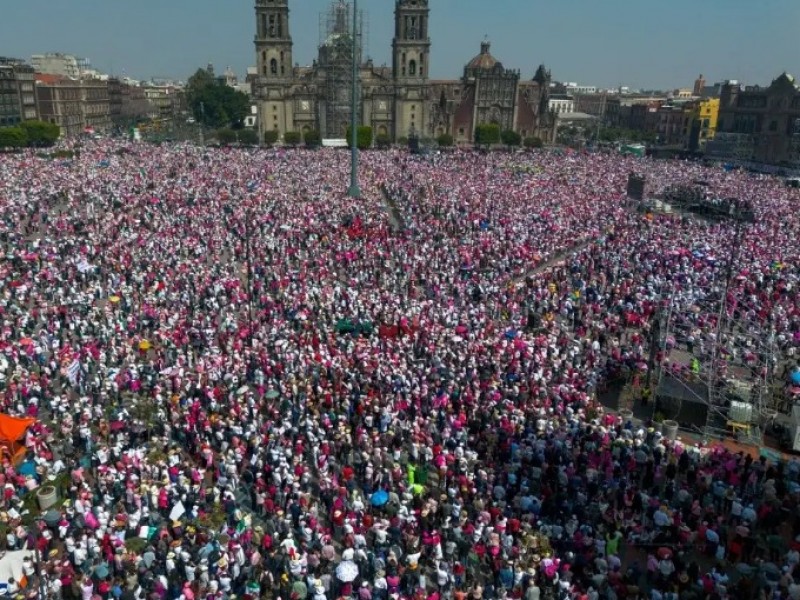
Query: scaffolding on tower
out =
(715, 376)
(335, 65)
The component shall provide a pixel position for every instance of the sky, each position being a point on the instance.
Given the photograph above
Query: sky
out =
(645, 44)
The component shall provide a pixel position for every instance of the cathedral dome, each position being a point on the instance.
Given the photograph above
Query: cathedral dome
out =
(484, 60)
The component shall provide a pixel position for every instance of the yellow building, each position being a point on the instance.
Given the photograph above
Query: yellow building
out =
(705, 114)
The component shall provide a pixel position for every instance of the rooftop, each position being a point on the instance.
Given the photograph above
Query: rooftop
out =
(484, 60)
(48, 79)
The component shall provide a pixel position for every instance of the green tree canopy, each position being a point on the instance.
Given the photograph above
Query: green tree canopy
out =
(533, 142)
(215, 104)
(363, 137)
(615, 134)
(445, 140)
(40, 133)
(225, 136)
(292, 138)
(511, 138)
(13, 137)
(487, 134)
(383, 141)
(271, 136)
(312, 138)
(248, 137)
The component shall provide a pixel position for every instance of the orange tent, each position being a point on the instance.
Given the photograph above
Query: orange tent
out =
(12, 436)
(13, 429)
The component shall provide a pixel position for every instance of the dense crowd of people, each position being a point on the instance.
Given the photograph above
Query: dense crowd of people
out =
(246, 384)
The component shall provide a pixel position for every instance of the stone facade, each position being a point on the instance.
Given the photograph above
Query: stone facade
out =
(75, 105)
(759, 124)
(17, 92)
(398, 101)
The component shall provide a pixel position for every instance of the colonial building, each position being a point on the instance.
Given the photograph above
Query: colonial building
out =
(75, 105)
(17, 92)
(397, 101)
(759, 125)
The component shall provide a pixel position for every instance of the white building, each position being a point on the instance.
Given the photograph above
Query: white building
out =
(55, 63)
(574, 88)
(561, 104)
(251, 120)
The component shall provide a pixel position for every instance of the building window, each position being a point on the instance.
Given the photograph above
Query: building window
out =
(773, 126)
(273, 66)
(461, 131)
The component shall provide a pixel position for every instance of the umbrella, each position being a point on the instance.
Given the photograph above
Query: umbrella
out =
(26, 341)
(272, 394)
(242, 390)
(664, 553)
(144, 345)
(347, 571)
(380, 498)
(796, 377)
(101, 571)
(114, 299)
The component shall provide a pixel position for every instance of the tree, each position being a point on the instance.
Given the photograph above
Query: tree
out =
(312, 138)
(248, 137)
(134, 110)
(215, 104)
(292, 138)
(270, 137)
(198, 82)
(13, 137)
(40, 133)
(445, 140)
(363, 137)
(225, 136)
(487, 134)
(533, 142)
(511, 138)
(383, 141)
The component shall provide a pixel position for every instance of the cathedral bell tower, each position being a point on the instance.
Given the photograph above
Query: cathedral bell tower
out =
(411, 43)
(274, 63)
(410, 56)
(273, 42)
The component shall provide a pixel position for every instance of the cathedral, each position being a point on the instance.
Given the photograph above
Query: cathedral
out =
(398, 101)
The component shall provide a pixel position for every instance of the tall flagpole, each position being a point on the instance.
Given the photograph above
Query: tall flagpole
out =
(354, 191)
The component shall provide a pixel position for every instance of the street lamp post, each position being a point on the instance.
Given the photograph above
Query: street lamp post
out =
(202, 118)
(354, 191)
(248, 215)
(39, 559)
